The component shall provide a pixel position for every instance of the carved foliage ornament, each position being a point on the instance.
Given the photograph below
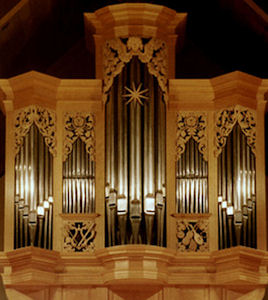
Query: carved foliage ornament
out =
(79, 125)
(79, 236)
(192, 236)
(191, 125)
(43, 118)
(227, 118)
(117, 53)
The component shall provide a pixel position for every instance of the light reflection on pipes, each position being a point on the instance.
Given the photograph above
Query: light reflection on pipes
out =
(30, 184)
(241, 198)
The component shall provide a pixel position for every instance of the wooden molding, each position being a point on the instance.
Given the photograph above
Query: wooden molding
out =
(236, 88)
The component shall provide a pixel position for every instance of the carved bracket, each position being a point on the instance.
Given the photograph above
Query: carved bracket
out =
(192, 235)
(79, 125)
(191, 125)
(117, 53)
(225, 121)
(43, 118)
(79, 236)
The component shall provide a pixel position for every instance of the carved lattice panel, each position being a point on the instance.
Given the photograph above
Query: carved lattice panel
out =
(79, 236)
(191, 125)
(226, 120)
(192, 235)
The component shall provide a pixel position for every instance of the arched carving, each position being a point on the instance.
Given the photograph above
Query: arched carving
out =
(79, 125)
(43, 118)
(227, 118)
(117, 53)
(191, 125)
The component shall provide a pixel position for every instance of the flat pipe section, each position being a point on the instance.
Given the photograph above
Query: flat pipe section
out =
(33, 174)
(191, 180)
(237, 175)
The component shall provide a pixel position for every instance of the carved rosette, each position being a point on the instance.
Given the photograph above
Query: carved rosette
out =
(116, 54)
(192, 236)
(79, 125)
(43, 118)
(226, 120)
(79, 236)
(191, 125)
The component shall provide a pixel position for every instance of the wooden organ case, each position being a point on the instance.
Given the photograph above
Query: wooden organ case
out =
(134, 184)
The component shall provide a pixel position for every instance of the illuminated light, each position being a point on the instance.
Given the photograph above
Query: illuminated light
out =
(32, 216)
(230, 210)
(224, 204)
(40, 211)
(220, 199)
(121, 205)
(149, 205)
(21, 203)
(46, 204)
(50, 199)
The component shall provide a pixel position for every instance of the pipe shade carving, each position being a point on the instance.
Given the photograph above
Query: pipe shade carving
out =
(227, 118)
(118, 52)
(79, 125)
(43, 118)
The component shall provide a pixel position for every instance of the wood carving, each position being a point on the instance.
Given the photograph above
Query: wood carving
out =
(192, 236)
(43, 118)
(117, 53)
(79, 236)
(227, 118)
(79, 125)
(191, 125)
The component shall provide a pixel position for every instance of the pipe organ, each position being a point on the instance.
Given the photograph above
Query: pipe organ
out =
(135, 177)
(135, 158)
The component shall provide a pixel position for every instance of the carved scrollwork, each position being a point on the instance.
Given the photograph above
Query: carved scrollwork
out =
(43, 118)
(79, 125)
(191, 125)
(192, 236)
(117, 54)
(227, 118)
(79, 236)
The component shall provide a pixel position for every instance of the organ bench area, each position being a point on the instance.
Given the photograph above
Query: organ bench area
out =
(134, 184)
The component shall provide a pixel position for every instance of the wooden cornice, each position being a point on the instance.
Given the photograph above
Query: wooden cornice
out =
(139, 19)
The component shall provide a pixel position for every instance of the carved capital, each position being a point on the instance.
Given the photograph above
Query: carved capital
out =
(116, 54)
(79, 125)
(191, 125)
(226, 120)
(43, 118)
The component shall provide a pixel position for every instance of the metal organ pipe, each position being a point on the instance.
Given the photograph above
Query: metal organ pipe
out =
(238, 160)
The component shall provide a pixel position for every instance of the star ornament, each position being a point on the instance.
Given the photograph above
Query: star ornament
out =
(135, 95)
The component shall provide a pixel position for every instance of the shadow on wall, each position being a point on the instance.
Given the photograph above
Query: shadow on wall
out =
(3, 295)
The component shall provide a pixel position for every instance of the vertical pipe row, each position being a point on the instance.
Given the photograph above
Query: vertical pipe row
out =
(237, 208)
(191, 178)
(33, 182)
(78, 181)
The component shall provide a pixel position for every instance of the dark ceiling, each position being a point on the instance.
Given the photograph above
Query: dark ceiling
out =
(48, 36)
(221, 36)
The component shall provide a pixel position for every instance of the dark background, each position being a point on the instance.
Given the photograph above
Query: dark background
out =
(221, 36)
